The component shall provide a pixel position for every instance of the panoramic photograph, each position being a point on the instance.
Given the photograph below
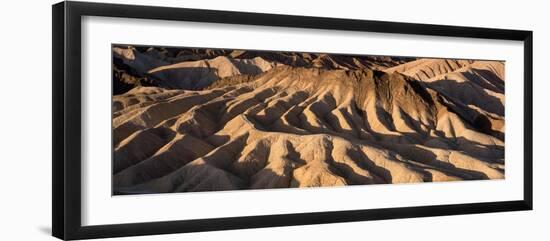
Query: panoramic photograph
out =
(188, 119)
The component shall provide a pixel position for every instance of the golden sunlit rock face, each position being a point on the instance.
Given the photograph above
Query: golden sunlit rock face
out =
(187, 120)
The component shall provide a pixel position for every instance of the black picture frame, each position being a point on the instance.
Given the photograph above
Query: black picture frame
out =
(66, 47)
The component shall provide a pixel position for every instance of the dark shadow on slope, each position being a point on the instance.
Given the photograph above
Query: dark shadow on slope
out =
(471, 116)
(431, 160)
(486, 79)
(465, 91)
(125, 78)
(187, 78)
(143, 145)
(295, 162)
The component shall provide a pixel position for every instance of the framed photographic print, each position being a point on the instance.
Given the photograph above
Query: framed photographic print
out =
(170, 120)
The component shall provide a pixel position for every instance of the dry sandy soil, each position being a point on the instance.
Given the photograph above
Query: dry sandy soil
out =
(207, 120)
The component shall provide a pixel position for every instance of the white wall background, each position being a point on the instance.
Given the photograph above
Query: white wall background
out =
(25, 119)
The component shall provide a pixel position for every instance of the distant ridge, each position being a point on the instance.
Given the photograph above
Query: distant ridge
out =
(195, 69)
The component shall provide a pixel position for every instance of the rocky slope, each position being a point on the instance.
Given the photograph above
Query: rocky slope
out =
(318, 120)
(477, 87)
(196, 69)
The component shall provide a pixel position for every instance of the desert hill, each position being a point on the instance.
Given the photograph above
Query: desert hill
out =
(296, 59)
(304, 120)
(475, 87)
(202, 73)
(196, 69)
